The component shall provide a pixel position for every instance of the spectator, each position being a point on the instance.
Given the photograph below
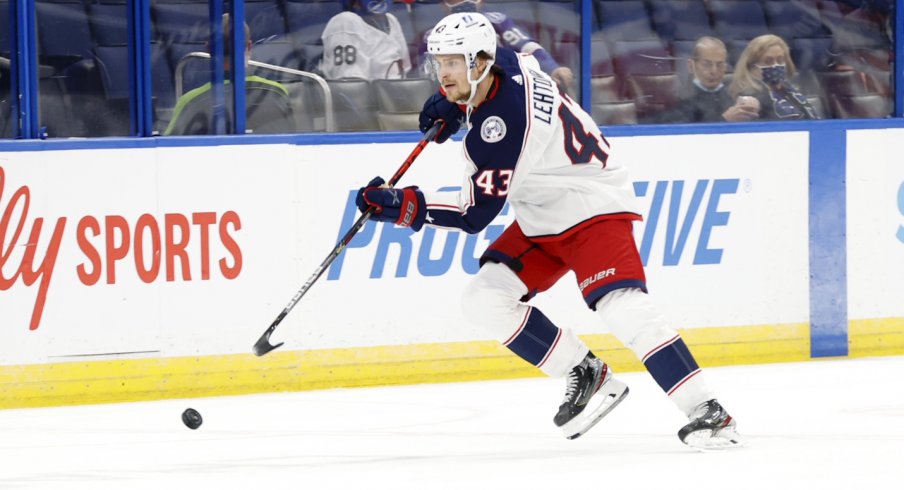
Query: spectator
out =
(708, 99)
(268, 109)
(513, 37)
(365, 41)
(764, 71)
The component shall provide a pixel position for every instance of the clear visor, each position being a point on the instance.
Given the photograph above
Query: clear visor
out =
(446, 64)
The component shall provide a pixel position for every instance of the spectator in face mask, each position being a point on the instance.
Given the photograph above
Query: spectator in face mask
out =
(765, 71)
(709, 100)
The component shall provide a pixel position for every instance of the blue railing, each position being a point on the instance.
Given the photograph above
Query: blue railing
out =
(24, 88)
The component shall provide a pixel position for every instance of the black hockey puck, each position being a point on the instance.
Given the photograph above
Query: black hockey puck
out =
(191, 418)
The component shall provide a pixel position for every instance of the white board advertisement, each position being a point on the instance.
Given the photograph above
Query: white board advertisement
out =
(875, 223)
(194, 250)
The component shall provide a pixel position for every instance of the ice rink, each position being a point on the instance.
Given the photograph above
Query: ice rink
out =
(835, 424)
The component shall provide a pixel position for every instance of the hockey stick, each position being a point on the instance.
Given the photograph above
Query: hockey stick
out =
(263, 345)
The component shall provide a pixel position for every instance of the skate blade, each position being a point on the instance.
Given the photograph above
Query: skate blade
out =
(705, 440)
(609, 396)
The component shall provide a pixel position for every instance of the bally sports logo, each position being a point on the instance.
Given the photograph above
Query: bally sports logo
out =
(169, 244)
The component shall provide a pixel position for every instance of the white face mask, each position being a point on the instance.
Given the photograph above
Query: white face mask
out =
(704, 88)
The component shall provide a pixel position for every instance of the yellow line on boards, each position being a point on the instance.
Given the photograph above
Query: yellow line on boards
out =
(185, 377)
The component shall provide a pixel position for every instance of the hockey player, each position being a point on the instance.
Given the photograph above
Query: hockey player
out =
(531, 145)
(515, 38)
(365, 41)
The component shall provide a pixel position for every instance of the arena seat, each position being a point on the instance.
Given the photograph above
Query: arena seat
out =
(624, 21)
(64, 35)
(279, 52)
(403, 95)
(398, 121)
(843, 82)
(604, 89)
(306, 19)
(681, 19)
(812, 54)
(265, 19)
(861, 106)
(654, 93)
(614, 113)
(187, 22)
(109, 25)
(797, 19)
(354, 105)
(648, 57)
(738, 19)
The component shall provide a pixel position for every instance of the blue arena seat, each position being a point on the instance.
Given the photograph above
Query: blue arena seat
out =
(306, 20)
(64, 35)
(113, 64)
(162, 83)
(424, 16)
(738, 19)
(791, 20)
(265, 19)
(280, 52)
(182, 22)
(558, 21)
(624, 21)
(681, 19)
(109, 24)
(812, 54)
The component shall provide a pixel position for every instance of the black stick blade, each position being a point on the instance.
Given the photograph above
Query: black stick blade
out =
(263, 345)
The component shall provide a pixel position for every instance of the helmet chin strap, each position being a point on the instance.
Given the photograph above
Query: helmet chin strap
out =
(474, 84)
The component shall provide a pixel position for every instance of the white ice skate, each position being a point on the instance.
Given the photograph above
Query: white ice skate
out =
(710, 428)
(591, 393)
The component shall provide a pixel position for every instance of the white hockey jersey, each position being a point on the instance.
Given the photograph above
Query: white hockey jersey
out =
(354, 48)
(531, 145)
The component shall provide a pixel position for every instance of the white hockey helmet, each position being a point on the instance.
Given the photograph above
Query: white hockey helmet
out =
(467, 34)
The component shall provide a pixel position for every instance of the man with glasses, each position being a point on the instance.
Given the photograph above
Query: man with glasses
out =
(709, 99)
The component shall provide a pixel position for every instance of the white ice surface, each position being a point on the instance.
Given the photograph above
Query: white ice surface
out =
(817, 425)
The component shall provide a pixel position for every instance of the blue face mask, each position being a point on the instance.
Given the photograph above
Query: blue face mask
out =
(774, 75)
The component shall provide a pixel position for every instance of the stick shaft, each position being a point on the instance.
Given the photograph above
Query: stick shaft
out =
(344, 241)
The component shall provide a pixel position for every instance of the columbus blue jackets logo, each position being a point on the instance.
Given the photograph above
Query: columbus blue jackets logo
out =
(493, 129)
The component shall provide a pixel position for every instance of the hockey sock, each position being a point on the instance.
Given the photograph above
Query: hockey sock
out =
(637, 323)
(554, 350)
